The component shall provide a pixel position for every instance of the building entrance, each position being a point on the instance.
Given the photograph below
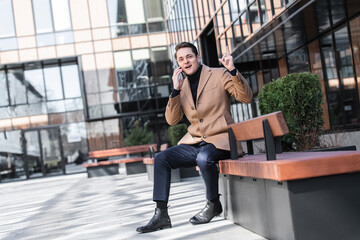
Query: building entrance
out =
(43, 152)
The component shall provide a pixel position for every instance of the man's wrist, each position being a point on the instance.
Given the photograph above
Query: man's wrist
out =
(175, 92)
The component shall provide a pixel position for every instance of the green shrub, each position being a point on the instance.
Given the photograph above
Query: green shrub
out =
(299, 97)
(138, 136)
(176, 132)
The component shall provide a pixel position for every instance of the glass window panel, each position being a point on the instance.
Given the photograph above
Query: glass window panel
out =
(95, 112)
(20, 111)
(35, 85)
(140, 54)
(17, 87)
(245, 24)
(118, 31)
(347, 76)
(141, 73)
(95, 131)
(254, 16)
(6, 16)
(64, 37)
(263, 12)
(242, 5)
(135, 11)
(137, 28)
(322, 16)
(53, 83)
(298, 61)
(42, 15)
(56, 106)
(109, 110)
(12, 143)
(123, 61)
(37, 108)
(4, 97)
(8, 44)
(154, 9)
(45, 40)
(61, 15)
(124, 78)
(5, 112)
(70, 75)
(338, 12)
(156, 27)
(74, 104)
(108, 97)
(117, 11)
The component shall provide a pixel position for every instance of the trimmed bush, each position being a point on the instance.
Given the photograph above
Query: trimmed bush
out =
(299, 97)
(138, 136)
(176, 132)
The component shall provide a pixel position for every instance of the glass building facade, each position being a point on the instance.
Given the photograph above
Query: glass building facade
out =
(272, 38)
(75, 74)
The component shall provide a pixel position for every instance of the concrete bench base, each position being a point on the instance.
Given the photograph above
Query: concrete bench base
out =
(102, 170)
(316, 208)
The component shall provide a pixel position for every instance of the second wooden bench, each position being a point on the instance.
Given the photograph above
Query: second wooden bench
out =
(106, 162)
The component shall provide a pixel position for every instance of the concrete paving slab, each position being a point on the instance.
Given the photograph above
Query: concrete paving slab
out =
(112, 207)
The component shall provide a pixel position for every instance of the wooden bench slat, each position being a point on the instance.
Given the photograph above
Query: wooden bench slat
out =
(252, 129)
(293, 165)
(120, 151)
(116, 161)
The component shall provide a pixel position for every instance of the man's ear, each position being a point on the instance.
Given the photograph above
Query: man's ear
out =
(198, 58)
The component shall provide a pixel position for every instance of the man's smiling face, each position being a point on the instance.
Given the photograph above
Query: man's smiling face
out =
(187, 60)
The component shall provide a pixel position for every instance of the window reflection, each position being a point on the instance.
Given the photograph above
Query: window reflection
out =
(53, 83)
(70, 75)
(17, 86)
(42, 15)
(4, 98)
(61, 15)
(6, 16)
(35, 85)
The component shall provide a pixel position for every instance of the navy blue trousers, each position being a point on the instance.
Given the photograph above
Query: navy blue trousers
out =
(205, 155)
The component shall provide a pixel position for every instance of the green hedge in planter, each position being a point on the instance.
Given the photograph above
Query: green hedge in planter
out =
(176, 132)
(299, 97)
(138, 136)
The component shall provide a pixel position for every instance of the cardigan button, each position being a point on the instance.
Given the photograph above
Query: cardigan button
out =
(192, 108)
(204, 136)
(201, 120)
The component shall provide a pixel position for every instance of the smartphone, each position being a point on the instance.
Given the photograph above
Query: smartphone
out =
(182, 74)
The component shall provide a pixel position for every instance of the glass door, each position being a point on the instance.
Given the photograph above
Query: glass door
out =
(43, 153)
(52, 152)
(32, 154)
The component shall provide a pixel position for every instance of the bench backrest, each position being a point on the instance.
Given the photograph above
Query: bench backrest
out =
(121, 151)
(270, 127)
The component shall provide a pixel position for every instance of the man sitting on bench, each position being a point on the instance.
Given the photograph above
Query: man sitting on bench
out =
(203, 95)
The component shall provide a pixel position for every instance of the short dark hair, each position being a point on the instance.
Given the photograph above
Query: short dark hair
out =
(184, 45)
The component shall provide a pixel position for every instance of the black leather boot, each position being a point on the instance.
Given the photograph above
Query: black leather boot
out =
(207, 213)
(159, 221)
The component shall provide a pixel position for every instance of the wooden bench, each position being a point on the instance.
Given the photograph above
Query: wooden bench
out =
(176, 174)
(106, 162)
(292, 195)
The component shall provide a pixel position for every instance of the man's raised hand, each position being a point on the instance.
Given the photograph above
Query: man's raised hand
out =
(227, 60)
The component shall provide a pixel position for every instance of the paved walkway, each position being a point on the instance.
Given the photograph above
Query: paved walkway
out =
(75, 207)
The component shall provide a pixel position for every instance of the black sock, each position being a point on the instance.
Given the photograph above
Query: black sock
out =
(216, 200)
(161, 204)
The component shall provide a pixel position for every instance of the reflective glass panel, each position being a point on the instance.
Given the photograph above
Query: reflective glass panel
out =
(70, 75)
(242, 5)
(117, 11)
(4, 97)
(35, 85)
(53, 83)
(123, 61)
(347, 76)
(8, 44)
(45, 40)
(42, 15)
(16, 86)
(6, 16)
(135, 11)
(64, 37)
(61, 15)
